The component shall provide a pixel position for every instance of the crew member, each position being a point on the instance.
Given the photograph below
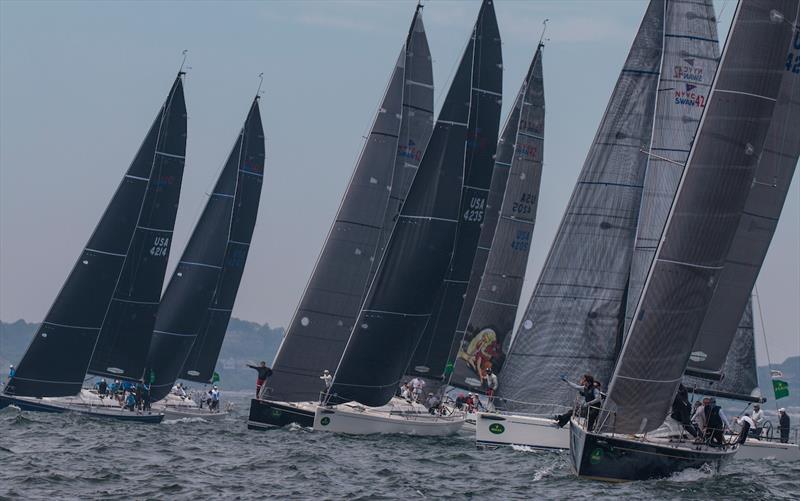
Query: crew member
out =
(716, 423)
(783, 425)
(757, 415)
(263, 373)
(326, 378)
(491, 384)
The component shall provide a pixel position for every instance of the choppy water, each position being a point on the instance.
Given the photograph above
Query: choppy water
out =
(72, 456)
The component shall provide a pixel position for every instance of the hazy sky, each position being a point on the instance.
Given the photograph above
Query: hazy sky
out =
(80, 82)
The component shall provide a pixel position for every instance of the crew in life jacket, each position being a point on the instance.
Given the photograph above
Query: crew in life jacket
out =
(716, 423)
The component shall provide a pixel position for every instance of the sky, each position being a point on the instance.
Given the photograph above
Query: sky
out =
(80, 82)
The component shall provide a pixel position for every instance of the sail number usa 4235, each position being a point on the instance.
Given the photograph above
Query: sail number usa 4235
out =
(477, 205)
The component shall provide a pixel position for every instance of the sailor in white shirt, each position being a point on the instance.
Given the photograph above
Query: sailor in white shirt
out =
(417, 385)
(757, 416)
(326, 378)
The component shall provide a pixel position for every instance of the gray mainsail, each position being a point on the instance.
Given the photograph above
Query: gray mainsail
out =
(327, 312)
(433, 351)
(691, 53)
(56, 361)
(498, 272)
(703, 219)
(574, 318)
(420, 252)
(770, 186)
(739, 375)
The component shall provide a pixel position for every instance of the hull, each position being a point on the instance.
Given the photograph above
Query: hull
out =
(266, 414)
(495, 430)
(761, 449)
(617, 459)
(175, 407)
(63, 405)
(396, 418)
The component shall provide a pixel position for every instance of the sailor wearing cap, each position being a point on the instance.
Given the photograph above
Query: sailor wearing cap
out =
(783, 425)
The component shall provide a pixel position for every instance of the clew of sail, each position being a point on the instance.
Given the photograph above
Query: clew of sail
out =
(327, 312)
(573, 319)
(121, 261)
(498, 271)
(420, 252)
(208, 273)
(703, 219)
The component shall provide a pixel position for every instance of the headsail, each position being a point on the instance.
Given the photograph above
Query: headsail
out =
(433, 350)
(418, 256)
(691, 54)
(197, 303)
(123, 257)
(768, 192)
(127, 328)
(498, 271)
(574, 317)
(704, 217)
(330, 304)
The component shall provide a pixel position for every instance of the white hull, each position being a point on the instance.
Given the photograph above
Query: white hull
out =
(86, 402)
(397, 417)
(175, 407)
(761, 449)
(494, 430)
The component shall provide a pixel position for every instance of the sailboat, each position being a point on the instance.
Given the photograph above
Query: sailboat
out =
(379, 184)
(197, 304)
(102, 318)
(428, 256)
(574, 322)
(498, 270)
(690, 259)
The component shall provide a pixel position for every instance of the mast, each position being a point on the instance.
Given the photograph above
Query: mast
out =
(498, 272)
(444, 205)
(703, 219)
(327, 312)
(571, 323)
(119, 264)
(197, 303)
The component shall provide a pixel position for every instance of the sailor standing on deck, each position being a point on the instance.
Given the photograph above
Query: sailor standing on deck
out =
(417, 385)
(491, 384)
(783, 425)
(263, 373)
(757, 415)
(326, 378)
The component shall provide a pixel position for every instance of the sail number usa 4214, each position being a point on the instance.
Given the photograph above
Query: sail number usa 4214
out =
(160, 246)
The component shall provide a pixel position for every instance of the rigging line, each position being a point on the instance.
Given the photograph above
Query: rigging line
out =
(183, 62)
(650, 153)
(764, 335)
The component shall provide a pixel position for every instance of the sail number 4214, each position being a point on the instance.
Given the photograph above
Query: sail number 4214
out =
(160, 246)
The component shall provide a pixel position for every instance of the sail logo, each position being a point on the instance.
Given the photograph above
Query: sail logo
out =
(522, 241)
(497, 428)
(688, 71)
(689, 97)
(476, 141)
(253, 167)
(163, 181)
(526, 150)
(474, 214)
(236, 258)
(409, 151)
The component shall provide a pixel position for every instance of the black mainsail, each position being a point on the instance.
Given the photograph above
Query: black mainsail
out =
(433, 351)
(197, 303)
(575, 315)
(704, 217)
(498, 272)
(329, 307)
(113, 289)
(444, 206)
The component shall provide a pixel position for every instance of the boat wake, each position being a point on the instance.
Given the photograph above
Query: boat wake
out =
(185, 420)
(692, 475)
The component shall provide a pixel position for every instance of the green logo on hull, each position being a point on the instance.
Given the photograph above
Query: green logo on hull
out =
(325, 421)
(596, 456)
(497, 428)
(276, 412)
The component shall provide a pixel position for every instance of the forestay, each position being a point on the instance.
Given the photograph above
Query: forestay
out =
(703, 219)
(330, 304)
(498, 271)
(122, 259)
(197, 303)
(418, 256)
(574, 319)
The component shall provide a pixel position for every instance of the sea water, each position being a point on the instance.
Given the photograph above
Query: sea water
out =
(70, 456)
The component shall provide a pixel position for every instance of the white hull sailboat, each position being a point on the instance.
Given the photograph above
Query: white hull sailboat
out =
(86, 402)
(494, 430)
(175, 407)
(397, 417)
